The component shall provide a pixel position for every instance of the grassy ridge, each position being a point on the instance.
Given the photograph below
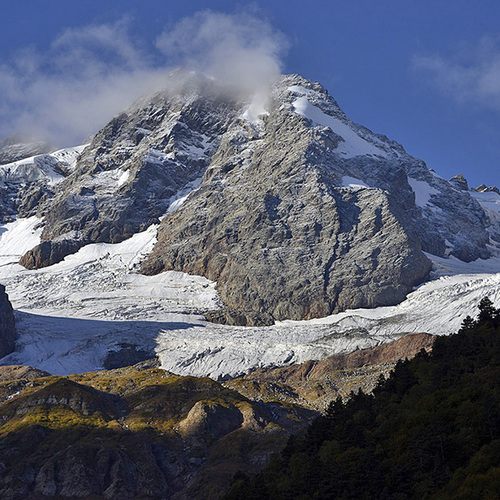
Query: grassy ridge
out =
(133, 433)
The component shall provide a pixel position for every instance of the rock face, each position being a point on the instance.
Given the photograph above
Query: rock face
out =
(483, 188)
(296, 213)
(16, 372)
(295, 221)
(29, 182)
(135, 166)
(459, 182)
(7, 328)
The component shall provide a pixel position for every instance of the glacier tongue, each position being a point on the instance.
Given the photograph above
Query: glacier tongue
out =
(70, 315)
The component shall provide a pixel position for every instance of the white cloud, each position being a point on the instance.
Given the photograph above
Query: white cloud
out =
(239, 49)
(90, 74)
(67, 92)
(470, 76)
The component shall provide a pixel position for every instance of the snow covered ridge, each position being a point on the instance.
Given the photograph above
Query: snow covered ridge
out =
(51, 167)
(353, 144)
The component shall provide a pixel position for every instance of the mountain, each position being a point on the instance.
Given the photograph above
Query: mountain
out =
(30, 180)
(296, 211)
(319, 252)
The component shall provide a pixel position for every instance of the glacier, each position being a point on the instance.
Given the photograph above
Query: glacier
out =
(71, 314)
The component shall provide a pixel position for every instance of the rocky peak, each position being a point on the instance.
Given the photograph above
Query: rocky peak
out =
(459, 182)
(485, 189)
(131, 172)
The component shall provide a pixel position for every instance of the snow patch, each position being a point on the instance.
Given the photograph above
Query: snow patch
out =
(70, 314)
(182, 195)
(17, 237)
(123, 179)
(352, 182)
(353, 145)
(69, 155)
(423, 191)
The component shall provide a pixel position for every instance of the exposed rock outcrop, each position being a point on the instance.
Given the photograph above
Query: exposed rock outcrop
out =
(7, 326)
(17, 372)
(459, 181)
(134, 167)
(483, 188)
(134, 432)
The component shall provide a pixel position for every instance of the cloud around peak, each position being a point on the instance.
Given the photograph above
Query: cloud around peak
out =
(89, 74)
(238, 49)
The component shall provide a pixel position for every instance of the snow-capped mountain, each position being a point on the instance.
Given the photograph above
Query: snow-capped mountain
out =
(290, 212)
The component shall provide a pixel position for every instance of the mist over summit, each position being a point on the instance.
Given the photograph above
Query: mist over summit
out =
(100, 69)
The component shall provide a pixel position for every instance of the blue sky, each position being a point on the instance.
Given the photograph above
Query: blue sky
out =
(426, 74)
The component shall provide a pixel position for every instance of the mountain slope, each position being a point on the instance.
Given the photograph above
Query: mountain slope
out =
(296, 213)
(137, 432)
(134, 168)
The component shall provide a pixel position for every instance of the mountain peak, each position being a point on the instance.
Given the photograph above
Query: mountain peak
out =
(295, 210)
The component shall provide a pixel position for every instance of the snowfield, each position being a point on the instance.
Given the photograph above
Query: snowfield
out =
(70, 315)
(46, 166)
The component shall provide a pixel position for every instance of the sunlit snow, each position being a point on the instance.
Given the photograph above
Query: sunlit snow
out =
(353, 145)
(352, 182)
(70, 314)
(423, 191)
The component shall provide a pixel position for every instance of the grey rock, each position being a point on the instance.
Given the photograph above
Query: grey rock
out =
(7, 326)
(126, 179)
(49, 252)
(282, 237)
(485, 189)
(27, 185)
(459, 182)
